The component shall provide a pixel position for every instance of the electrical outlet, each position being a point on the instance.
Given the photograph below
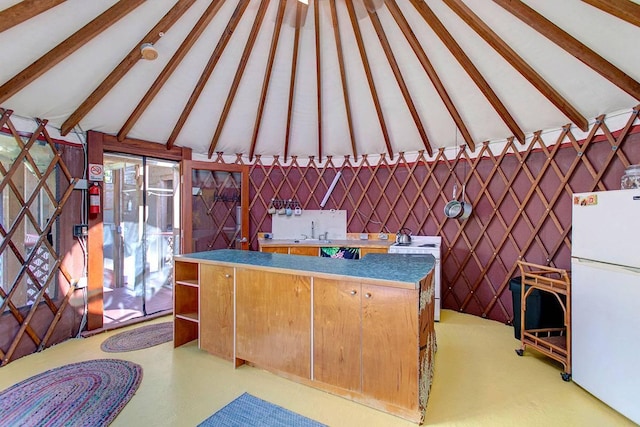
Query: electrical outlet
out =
(81, 184)
(383, 236)
(80, 230)
(81, 283)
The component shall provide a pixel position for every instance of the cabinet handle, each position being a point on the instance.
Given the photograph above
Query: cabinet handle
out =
(367, 295)
(353, 292)
(227, 276)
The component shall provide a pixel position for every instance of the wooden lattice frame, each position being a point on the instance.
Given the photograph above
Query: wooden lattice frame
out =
(520, 195)
(41, 245)
(217, 218)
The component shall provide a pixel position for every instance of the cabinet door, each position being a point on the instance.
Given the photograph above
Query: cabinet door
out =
(390, 345)
(216, 310)
(273, 321)
(336, 333)
(304, 250)
(275, 249)
(364, 251)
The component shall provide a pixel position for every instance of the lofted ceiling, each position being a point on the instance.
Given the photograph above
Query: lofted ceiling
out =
(331, 78)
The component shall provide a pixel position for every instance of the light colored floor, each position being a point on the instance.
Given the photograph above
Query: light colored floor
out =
(122, 304)
(479, 381)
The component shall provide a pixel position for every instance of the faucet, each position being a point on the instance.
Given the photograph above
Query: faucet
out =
(313, 227)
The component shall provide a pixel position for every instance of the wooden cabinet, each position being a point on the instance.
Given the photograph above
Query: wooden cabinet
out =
(185, 302)
(301, 249)
(390, 363)
(368, 341)
(273, 321)
(364, 251)
(336, 333)
(365, 339)
(216, 310)
(275, 249)
(292, 250)
(304, 250)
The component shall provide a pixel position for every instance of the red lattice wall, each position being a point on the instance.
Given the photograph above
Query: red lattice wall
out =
(521, 197)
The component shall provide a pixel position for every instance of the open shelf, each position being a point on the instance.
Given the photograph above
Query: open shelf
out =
(193, 317)
(185, 302)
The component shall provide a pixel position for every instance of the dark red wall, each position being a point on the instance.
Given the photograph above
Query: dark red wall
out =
(521, 197)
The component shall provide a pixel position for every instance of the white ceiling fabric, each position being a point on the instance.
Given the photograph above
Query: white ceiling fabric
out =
(57, 93)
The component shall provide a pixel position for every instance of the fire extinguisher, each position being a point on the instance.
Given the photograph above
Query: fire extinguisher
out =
(94, 199)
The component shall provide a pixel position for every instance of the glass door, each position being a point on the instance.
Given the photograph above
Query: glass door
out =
(141, 221)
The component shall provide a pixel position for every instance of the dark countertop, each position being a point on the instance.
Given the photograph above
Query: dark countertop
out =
(403, 269)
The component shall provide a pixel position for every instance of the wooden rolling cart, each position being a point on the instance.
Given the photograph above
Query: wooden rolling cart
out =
(554, 342)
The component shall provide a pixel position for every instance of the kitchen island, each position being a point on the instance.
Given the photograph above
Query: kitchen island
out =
(361, 329)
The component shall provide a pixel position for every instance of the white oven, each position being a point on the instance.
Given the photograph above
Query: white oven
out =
(424, 245)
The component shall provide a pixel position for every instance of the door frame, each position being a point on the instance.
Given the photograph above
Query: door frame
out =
(97, 144)
(186, 212)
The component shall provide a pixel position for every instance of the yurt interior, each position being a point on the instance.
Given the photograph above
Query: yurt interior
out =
(319, 212)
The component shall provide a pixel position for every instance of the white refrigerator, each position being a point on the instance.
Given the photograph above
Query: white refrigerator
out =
(605, 297)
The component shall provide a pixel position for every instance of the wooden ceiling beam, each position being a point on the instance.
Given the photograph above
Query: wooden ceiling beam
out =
(267, 76)
(499, 45)
(393, 63)
(171, 66)
(23, 11)
(301, 13)
(67, 47)
(367, 69)
(622, 9)
(125, 65)
(466, 63)
(430, 70)
(316, 15)
(343, 75)
(208, 70)
(572, 46)
(246, 53)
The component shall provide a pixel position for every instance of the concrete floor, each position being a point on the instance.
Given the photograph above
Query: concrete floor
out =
(479, 381)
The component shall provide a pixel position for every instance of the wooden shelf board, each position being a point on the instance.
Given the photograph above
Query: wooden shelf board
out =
(192, 282)
(192, 317)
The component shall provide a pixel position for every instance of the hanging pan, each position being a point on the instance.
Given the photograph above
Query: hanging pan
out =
(456, 209)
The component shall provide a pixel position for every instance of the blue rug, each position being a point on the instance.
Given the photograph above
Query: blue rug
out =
(248, 410)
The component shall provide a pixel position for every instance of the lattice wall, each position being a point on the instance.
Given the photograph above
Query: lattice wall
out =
(521, 197)
(36, 308)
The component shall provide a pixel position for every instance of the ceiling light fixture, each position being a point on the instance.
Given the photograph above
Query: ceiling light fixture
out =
(148, 51)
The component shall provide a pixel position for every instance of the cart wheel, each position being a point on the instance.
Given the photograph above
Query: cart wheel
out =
(519, 352)
(566, 377)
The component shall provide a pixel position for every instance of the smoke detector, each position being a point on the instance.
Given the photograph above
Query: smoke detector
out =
(148, 51)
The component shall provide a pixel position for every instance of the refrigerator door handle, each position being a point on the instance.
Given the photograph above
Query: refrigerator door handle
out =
(607, 266)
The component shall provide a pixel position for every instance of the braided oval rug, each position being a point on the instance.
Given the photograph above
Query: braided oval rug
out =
(90, 393)
(139, 338)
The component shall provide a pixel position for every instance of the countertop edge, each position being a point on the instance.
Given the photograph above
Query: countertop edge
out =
(371, 280)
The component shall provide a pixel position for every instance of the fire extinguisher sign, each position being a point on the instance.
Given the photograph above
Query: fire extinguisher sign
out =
(96, 172)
